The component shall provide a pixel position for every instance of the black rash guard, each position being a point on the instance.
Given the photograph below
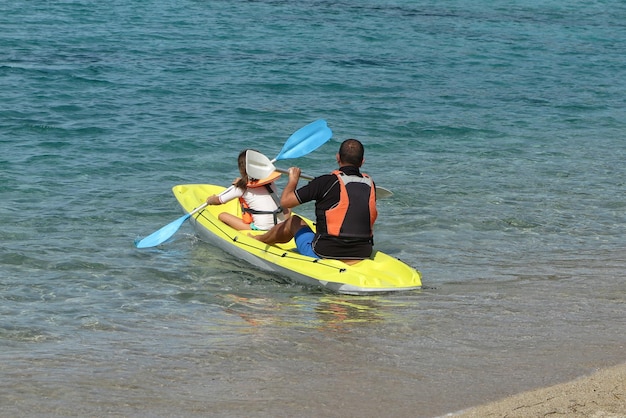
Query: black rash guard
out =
(325, 191)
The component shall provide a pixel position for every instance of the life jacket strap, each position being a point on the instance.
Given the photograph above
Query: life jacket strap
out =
(279, 209)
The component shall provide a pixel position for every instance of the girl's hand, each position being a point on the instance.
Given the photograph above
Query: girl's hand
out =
(213, 200)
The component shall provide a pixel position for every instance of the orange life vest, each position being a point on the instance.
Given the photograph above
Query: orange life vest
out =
(355, 213)
(247, 212)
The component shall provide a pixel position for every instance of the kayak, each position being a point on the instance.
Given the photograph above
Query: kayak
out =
(380, 273)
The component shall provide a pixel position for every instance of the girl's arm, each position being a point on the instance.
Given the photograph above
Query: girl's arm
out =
(226, 196)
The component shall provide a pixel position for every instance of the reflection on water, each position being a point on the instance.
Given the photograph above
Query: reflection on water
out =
(288, 304)
(321, 312)
(340, 313)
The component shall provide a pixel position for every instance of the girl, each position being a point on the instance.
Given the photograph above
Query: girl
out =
(259, 201)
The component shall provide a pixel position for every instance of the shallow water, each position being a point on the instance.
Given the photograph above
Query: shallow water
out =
(498, 128)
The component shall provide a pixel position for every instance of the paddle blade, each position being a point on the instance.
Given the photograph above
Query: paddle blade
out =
(305, 140)
(382, 193)
(258, 166)
(162, 234)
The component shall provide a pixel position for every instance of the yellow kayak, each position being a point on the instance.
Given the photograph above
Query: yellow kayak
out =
(380, 273)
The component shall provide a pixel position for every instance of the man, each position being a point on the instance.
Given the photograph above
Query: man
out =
(345, 210)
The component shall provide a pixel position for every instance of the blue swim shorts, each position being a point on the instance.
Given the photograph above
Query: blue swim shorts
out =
(304, 241)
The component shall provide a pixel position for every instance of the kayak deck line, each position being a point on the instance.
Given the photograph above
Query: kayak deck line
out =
(285, 253)
(380, 273)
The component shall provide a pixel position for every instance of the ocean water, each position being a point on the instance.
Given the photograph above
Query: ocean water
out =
(499, 126)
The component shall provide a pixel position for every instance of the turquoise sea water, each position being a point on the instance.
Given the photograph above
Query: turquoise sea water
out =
(499, 126)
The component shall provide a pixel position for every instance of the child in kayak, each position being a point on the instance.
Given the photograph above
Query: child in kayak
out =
(259, 200)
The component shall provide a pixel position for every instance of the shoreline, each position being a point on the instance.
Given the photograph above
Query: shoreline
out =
(599, 395)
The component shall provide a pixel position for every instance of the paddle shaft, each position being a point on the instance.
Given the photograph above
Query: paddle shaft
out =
(381, 192)
(302, 176)
(205, 204)
(199, 208)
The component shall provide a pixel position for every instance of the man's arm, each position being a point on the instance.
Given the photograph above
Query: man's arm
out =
(288, 198)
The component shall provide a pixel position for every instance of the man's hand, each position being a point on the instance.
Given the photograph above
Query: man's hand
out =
(294, 174)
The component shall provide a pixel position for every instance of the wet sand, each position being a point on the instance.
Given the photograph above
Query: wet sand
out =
(600, 395)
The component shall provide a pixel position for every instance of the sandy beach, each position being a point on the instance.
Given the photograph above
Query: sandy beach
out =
(600, 395)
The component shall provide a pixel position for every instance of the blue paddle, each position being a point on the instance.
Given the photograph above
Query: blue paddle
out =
(166, 232)
(303, 141)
